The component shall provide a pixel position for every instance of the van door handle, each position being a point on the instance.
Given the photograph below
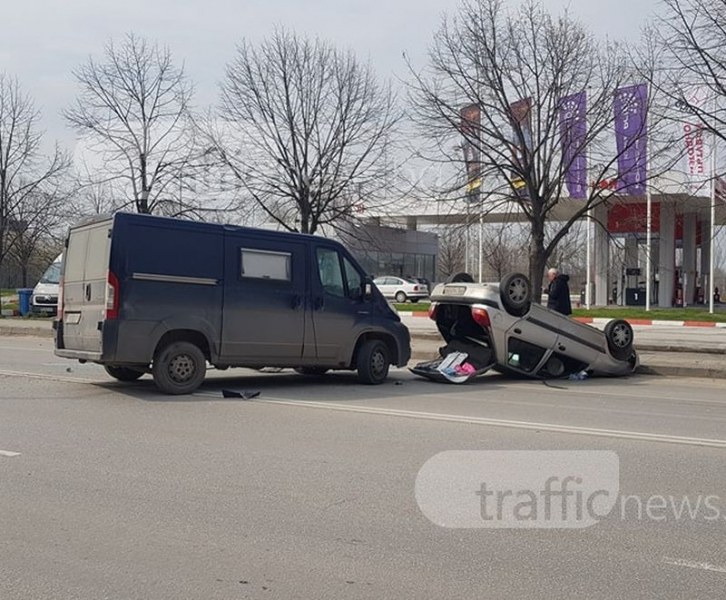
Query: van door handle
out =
(296, 301)
(88, 292)
(319, 303)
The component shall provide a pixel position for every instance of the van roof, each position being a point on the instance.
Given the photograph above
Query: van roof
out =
(187, 224)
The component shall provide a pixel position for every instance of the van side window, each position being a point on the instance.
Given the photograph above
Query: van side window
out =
(263, 264)
(331, 275)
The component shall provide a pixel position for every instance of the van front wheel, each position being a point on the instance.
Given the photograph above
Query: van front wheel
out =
(179, 368)
(373, 362)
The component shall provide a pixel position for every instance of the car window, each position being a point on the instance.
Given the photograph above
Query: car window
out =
(331, 274)
(52, 275)
(380, 281)
(523, 355)
(263, 264)
(353, 279)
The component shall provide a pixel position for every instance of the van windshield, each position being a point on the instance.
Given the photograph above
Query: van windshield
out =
(52, 275)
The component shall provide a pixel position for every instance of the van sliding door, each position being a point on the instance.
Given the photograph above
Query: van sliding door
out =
(265, 301)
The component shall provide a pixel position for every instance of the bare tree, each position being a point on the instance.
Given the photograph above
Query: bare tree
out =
(519, 66)
(452, 250)
(29, 179)
(504, 248)
(311, 127)
(134, 109)
(689, 39)
(41, 224)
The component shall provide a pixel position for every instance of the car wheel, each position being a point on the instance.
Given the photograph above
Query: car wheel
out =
(460, 278)
(401, 297)
(124, 373)
(515, 292)
(373, 362)
(619, 335)
(179, 368)
(312, 371)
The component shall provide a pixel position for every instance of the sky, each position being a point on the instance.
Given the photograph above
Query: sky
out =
(41, 41)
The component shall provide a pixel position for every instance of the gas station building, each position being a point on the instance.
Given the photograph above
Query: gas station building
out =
(680, 238)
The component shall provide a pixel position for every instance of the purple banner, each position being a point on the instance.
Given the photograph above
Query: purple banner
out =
(573, 132)
(631, 137)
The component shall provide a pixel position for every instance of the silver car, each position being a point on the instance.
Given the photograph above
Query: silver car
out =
(498, 326)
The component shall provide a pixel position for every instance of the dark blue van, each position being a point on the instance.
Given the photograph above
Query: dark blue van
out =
(145, 294)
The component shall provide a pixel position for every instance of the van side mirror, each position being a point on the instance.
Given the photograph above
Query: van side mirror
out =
(367, 289)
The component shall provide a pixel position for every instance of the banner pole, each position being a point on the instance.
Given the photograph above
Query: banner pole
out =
(481, 248)
(588, 260)
(649, 217)
(712, 241)
(649, 240)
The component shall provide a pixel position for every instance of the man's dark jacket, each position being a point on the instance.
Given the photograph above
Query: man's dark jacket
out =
(558, 295)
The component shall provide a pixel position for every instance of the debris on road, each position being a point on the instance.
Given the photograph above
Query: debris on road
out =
(242, 395)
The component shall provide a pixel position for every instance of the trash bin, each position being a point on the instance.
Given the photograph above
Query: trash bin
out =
(24, 295)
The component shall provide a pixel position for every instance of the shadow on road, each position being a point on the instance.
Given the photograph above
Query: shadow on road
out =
(334, 387)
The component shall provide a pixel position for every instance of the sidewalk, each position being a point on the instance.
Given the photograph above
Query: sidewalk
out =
(604, 321)
(667, 357)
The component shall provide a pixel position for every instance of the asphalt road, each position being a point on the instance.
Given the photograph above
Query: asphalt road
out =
(113, 491)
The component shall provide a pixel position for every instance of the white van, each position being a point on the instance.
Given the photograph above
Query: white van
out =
(45, 294)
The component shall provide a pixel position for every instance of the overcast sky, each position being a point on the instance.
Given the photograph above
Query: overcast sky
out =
(41, 41)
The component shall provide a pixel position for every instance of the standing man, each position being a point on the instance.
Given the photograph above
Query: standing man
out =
(558, 292)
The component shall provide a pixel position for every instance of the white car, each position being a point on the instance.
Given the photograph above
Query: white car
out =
(45, 294)
(401, 289)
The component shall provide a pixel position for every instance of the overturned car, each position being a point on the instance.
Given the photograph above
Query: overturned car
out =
(497, 326)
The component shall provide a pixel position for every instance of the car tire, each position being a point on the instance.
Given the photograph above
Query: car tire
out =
(312, 371)
(179, 368)
(124, 373)
(619, 335)
(373, 362)
(460, 278)
(401, 297)
(515, 292)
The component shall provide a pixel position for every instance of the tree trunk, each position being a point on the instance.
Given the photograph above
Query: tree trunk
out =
(537, 261)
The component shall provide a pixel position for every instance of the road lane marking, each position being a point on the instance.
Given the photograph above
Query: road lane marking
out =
(9, 454)
(525, 425)
(622, 395)
(688, 564)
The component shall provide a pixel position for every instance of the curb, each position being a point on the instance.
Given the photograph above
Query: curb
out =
(650, 322)
(604, 321)
(26, 331)
(666, 348)
(643, 369)
(670, 371)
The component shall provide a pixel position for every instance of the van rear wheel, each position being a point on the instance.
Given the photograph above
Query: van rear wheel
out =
(373, 362)
(124, 373)
(179, 368)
